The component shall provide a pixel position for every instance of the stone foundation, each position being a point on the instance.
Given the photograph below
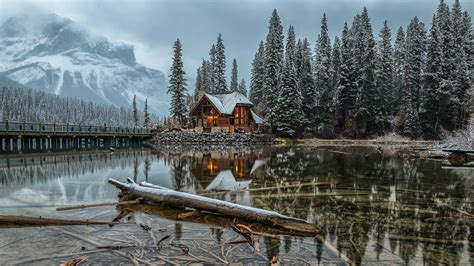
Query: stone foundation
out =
(211, 138)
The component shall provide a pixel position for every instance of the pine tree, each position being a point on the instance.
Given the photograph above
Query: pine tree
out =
(288, 114)
(258, 76)
(134, 110)
(398, 70)
(212, 68)
(234, 86)
(462, 78)
(336, 64)
(368, 111)
(220, 85)
(273, 65)
(307, 88)
(242, 87)
(448, 67)
(430, 107)
(385, 76)
(323, 79)
(177, 87)
(415, 48)
(146, 115)
(290, 46)
(198, 84)
(206, 76)
(347, 90)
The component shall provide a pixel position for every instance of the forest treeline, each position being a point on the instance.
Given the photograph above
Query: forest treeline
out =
(415, 82)
(21, 104)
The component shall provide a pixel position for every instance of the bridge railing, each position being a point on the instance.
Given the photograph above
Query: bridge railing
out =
(52, 128)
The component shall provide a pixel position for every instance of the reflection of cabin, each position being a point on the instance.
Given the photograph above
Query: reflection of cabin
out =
(225, 113)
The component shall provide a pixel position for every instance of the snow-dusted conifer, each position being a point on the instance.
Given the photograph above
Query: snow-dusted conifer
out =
(288, 116)
(430, 106)
(234, 86)
(258, 76)
(220, 84)
(323, 79)
(415, 48)
(177, 86)
(385, 76)
(273, 65)
(398, 70)
(134, 110)
(242, 87)
(146, 115)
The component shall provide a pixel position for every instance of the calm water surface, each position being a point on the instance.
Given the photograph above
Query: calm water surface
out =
(375, 206)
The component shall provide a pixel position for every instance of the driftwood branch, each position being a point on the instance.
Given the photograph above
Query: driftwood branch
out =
(26, 221)
(155, 194)
(93, 205)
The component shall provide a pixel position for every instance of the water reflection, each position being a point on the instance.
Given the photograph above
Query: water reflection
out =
(376, 206)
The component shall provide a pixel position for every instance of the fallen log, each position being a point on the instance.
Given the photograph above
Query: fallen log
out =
(168, 196)
(10, 221)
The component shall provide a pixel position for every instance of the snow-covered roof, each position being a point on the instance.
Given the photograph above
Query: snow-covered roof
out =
(256, 118)
(225, 180)
(225, 103)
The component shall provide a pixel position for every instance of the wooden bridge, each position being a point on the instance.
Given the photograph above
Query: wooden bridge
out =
(15, 136)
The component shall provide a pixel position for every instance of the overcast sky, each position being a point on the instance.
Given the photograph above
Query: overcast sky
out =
(153, 26)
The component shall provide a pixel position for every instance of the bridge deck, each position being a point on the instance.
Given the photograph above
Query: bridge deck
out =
(69, 130)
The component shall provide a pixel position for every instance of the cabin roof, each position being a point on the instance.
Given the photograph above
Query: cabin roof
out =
(256, 118)
(225, 103)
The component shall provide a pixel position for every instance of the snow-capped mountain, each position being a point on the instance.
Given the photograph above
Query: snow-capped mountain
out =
(55, 54)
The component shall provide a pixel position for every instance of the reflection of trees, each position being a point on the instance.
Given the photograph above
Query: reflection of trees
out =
(28, 169)
(411, 208)
(179, 173)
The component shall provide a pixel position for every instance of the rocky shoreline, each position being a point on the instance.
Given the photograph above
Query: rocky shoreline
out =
(177, 137)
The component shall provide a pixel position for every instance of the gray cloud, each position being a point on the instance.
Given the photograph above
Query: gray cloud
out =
(153, 26)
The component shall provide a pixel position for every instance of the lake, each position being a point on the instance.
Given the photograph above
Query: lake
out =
(377, 206)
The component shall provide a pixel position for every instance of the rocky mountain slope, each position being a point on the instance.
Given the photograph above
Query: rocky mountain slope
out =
(55, 54)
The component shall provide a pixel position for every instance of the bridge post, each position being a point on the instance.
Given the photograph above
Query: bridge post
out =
(3, 144)
(19, 143)
(11, 144)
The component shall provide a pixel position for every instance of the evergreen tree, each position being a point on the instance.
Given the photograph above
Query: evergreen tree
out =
(146, 115)
(288, 114)
(430, 107)
(368, 110)
(177, 86)
(206, 76)
(347, 90)
(212, 68)
(199, 83)
(242, 87)
(220, 84)
(273, 64)
(448, 68)
(415, 48)
(385, 75)
(323, 79)
(462, 78)
(258, 76)
(234, 86)
(336, 64)
(290, 46)
(307, 88)
(134, 110)
(398, 70)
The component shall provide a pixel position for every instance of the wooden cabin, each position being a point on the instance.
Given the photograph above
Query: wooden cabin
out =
(227, 112)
